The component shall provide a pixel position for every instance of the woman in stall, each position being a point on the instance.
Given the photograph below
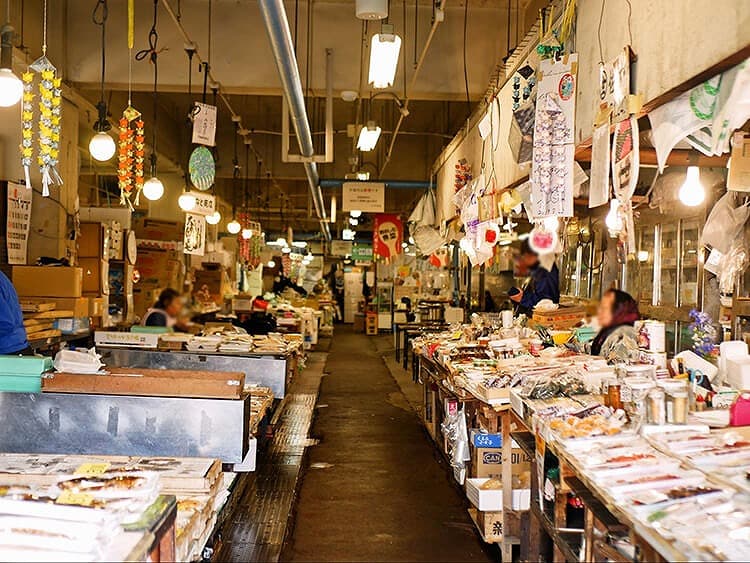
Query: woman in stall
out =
(166, 311)
(617, 340)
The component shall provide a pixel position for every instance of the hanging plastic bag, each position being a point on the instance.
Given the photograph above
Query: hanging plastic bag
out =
(724, 223)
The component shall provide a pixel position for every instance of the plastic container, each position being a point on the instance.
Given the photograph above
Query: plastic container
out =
(20, 383)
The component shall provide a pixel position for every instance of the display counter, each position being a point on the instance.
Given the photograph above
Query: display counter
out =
(603, 483)
(273, 370)
(66, 423)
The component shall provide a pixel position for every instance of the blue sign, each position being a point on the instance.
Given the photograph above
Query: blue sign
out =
(482, 440)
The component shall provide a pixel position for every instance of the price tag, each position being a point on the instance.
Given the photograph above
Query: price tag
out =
(92, 468)
(79, 499)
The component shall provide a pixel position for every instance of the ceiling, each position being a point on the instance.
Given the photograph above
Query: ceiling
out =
(242, 63)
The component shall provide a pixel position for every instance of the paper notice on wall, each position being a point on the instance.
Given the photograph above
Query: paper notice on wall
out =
(204, 124)
(18, 222)
(194, 241)
(553, 154)
(625, 159)
(599, 179)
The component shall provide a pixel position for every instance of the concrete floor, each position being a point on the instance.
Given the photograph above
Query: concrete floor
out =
(375, 488)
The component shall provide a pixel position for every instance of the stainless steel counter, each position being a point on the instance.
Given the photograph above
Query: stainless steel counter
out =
(269, 370)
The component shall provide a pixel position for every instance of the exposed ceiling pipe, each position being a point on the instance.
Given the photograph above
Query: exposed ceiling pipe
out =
(404, 110)
(277, 26)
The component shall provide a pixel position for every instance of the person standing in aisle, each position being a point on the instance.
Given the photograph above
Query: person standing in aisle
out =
(12, 332)
(541, 283)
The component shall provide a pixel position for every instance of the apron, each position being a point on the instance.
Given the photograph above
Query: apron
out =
(170, 321)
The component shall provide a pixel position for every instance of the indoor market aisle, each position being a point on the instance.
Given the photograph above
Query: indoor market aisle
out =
(375, 488)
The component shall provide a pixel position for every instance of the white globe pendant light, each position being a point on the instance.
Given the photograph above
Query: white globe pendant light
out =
(11, 88)
(234, 227)
(186, 201)
(102, 146)
(247, 233)
(153, 189)
(214, 218)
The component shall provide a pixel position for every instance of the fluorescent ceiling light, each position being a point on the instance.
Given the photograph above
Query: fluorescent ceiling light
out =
(368, 137)
(384, 50)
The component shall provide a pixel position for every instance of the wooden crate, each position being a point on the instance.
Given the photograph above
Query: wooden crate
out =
(562, 318)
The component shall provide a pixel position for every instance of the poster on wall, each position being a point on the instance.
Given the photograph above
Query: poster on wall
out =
(18, 221)
(553, 155)
(195, 234)
(368, 197)
(387, 236)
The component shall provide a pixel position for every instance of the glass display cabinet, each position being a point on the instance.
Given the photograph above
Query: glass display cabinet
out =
(669, 276)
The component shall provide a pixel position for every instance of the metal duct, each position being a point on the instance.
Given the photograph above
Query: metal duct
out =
(277, 26)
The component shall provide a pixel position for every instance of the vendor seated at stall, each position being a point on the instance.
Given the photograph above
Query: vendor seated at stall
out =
(541, 282)
(617, 340)
(12, 332)
(166, 311)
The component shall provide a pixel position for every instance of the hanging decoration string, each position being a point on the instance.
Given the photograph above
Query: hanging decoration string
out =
(48, 123)
(131, 143)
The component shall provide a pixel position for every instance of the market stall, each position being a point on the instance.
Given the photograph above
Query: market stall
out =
(615, 456)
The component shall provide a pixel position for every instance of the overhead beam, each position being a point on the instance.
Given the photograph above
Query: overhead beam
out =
(678, 157)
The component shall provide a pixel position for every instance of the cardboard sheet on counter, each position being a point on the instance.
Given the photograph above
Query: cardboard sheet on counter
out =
(150, 383)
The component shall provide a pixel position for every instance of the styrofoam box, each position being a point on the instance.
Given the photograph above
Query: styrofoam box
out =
(492, 500)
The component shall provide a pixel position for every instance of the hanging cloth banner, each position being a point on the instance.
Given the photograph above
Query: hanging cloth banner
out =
(18, 222)
(194, 241)
(387, 236)
(599, 184)
(554, 143)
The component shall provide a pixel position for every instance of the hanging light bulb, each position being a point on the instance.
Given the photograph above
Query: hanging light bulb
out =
(247, 233)
(234, 227)
(353, 221)
(333, 209)
(692, 193)
(356, 213)
(153, 189)
(271, 264)
(613, 219)
(384, 50)
(368, 137)
(286, 250)
(214, 218)
(186, 201)
(281, 241)
(102, 146)
(11, 87)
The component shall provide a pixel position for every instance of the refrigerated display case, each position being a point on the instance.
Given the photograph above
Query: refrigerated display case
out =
(384, 297)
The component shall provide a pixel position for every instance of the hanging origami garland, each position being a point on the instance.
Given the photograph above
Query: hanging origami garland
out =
(131, 151)
(130, 157)
(48, 125)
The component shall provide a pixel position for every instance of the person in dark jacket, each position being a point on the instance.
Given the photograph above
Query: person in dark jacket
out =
(12, 332)
(540, 283)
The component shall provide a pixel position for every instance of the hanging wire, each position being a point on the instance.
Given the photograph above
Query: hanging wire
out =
(44, 29)
(599, 32)
(99, 17)
(152, 53)
(466, 70)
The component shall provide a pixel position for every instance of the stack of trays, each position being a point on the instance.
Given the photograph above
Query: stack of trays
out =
(23, 374)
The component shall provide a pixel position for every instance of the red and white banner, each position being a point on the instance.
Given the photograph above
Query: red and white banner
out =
(387, 236)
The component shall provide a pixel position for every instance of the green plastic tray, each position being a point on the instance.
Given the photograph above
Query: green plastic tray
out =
(150, 329)
(20, 384)
(25, 365)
